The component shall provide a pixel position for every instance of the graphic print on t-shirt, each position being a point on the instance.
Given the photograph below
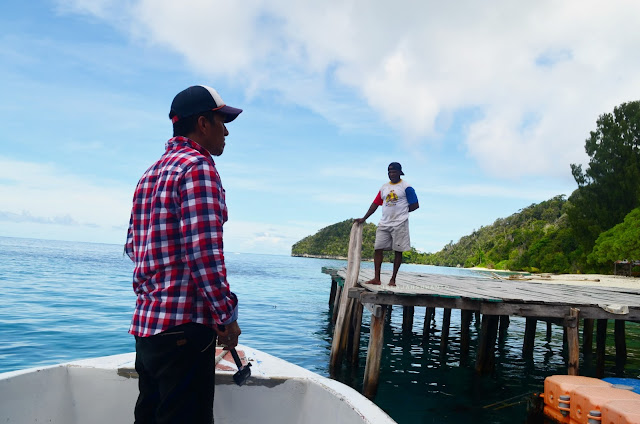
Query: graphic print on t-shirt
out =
(391, 199)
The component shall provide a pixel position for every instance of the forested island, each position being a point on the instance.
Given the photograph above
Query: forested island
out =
(597, 225)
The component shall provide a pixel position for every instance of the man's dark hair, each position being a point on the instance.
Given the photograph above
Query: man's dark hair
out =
(187, 124)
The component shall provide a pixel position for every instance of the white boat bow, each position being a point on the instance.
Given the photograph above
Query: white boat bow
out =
(104, 390)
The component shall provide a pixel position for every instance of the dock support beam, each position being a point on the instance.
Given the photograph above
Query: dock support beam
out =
(429, 313)
(354, 334)
(571, 324)
(601, 342)
(376, 343)
(332, 294)
(529, 338)
(503, 327)
(444, 335)
(336, 303)
(621, 346)
(465, 321)
(486, 359)
(407, 319)
(587, 336)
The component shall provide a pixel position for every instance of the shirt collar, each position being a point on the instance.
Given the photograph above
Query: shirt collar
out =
(184, 141)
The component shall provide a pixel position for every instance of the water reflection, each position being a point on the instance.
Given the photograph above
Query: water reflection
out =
(420, 383)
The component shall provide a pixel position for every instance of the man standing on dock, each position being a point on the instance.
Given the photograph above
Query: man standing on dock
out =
(397, 199)
(175, 241)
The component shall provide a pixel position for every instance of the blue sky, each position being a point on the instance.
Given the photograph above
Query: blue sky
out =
(486, 105)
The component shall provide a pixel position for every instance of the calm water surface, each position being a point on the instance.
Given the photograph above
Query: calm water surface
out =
(63, 301)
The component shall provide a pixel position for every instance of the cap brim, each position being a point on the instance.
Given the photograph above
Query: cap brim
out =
(231, 113)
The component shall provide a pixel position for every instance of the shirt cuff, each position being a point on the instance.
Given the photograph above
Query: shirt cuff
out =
(234, 317)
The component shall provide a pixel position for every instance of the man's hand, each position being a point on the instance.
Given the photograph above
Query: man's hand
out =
(370, 212)
(228, 334)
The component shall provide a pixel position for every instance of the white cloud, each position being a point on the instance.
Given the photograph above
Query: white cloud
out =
(561, 63)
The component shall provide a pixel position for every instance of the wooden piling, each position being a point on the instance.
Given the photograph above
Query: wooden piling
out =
(465, 321)
(587, 336)
(601, 341)
(407, 319)
(549, 333)
(621, 345)
(571, 324)
(336, 304)
(341, 329)
(429, 313)
(332, 293)
(444, 335)
(529, 338)
(503, 326)
(374, 355)
(354, 334)
(485, 360)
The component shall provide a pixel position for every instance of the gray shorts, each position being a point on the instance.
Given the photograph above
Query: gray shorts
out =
(393, 238)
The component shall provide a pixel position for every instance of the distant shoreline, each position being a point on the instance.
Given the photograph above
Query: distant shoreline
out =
(306, 255)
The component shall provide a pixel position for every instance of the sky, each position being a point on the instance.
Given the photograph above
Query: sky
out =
(485, 104)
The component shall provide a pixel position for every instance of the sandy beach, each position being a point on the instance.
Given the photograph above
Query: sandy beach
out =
(573, 279)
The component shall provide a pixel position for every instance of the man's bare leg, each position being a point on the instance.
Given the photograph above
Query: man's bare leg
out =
(377, 265)
(397, 260)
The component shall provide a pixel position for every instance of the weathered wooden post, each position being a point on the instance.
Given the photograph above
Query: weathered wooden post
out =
(529, 338)
(428, 317)
(341, 330)
(465, 321)
(587, 336)
(621, 345)
(374, 355)
(332, 293)
(571, 324)
(485, 360)
(601, 343)
(407, 318)
(336, 303)
(444, 335)
(503, 327)
(354, 334)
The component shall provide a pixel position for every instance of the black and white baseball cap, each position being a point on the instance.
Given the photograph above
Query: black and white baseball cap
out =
(197, 99)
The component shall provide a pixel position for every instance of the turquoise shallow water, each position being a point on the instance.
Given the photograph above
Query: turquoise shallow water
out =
(62, 301)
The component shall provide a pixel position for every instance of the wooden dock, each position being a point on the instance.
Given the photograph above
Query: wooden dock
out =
(494, 300)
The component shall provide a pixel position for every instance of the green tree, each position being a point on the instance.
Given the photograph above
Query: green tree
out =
(620, 242)
(610, 186)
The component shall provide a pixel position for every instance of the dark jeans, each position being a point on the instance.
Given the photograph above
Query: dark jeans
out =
(176, 372)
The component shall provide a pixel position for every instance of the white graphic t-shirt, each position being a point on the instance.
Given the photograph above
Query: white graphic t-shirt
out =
(395, 200)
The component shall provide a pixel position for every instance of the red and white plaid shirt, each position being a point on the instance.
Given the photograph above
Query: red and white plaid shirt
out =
(175, 242)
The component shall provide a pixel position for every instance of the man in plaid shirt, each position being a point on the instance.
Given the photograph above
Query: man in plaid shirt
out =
(180, 279)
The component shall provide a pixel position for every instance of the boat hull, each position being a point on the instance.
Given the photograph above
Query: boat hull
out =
(104, 390)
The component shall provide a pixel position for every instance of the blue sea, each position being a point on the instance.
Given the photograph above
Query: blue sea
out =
(65, 300)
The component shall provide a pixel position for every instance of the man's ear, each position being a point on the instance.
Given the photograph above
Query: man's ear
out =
(202, 124)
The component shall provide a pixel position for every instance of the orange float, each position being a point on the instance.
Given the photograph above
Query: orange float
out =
(587, 403)
(557, 386)
(621, 412)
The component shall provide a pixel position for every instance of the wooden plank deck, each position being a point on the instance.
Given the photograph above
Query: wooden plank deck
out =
(497, 297)
(494, 299)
